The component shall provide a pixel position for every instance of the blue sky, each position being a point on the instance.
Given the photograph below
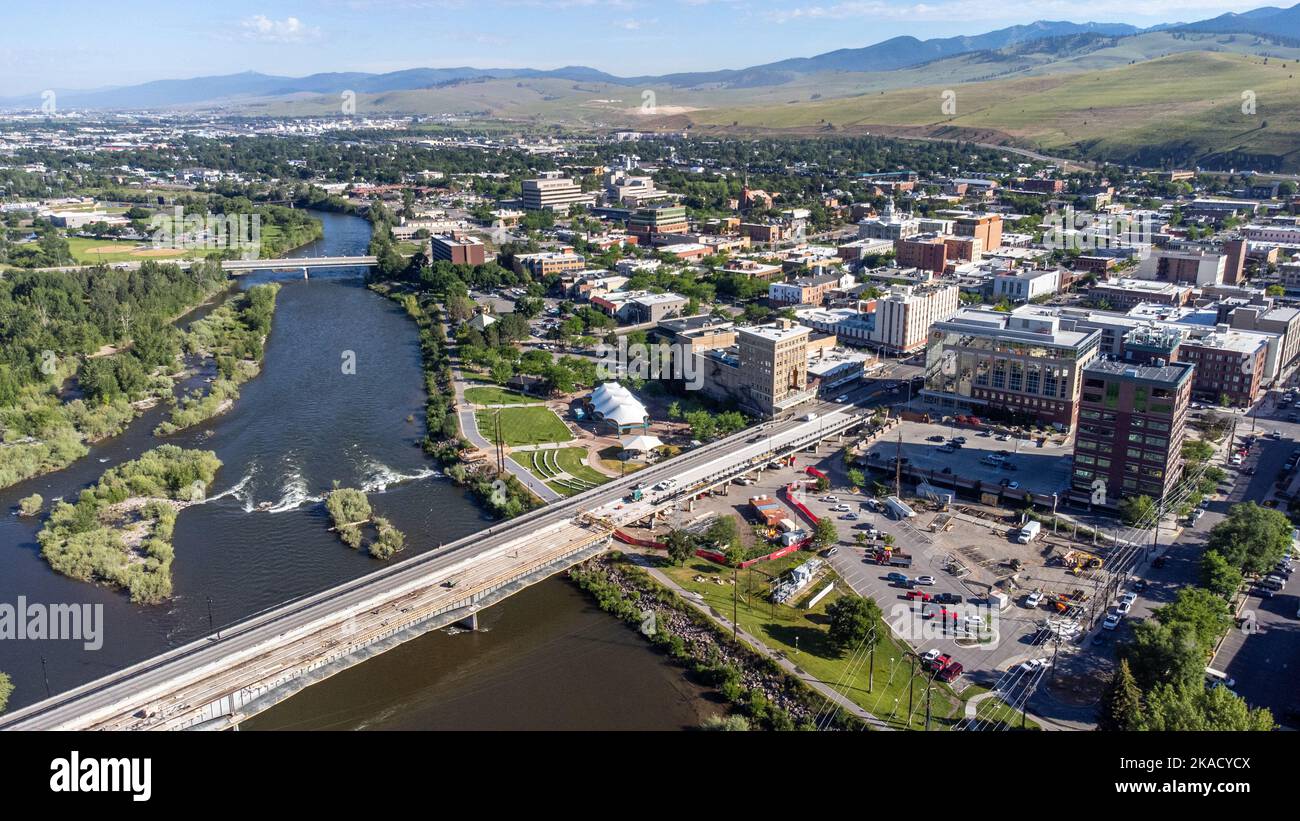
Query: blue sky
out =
(81, 44)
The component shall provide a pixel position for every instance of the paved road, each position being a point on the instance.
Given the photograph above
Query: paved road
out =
(1267, 651)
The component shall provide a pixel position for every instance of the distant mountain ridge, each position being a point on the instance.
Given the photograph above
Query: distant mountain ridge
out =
(895, 53)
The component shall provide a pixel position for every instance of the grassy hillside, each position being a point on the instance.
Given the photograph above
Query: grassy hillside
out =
(1149, 98)
(1180, 107)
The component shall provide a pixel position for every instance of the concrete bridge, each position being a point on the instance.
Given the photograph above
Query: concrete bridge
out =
(220, 680)
(239, 266)
(304, 264)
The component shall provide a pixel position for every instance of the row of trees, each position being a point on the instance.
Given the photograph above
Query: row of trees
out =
(1160, 683)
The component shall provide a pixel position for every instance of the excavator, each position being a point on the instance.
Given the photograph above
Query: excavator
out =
(1080, 560)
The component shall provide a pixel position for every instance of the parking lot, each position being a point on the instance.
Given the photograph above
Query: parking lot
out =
(1040, 466)
(966, 557)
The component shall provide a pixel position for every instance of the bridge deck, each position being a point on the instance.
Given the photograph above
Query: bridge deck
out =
(276, 651)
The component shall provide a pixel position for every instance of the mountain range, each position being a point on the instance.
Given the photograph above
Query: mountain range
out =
(889, 55)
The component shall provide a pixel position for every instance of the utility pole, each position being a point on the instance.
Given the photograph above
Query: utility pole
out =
(928, 687)
(45, 675)
(735, 592)
(871, 668)
(910, 690)
(898, 465)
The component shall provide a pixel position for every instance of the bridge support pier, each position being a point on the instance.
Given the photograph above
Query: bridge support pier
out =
(470, 622)
(304, 273)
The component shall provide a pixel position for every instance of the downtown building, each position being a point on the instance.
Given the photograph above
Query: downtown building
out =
(553, 191)
(765, 372)
(1007, 366)
(904, 315)
(1132, 421)
(457, 249)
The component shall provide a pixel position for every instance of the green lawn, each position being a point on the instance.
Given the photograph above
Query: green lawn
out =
(995, 711)
(572, 461)
(801, 636)
(497, 396)
(524, 426)
(546, 464)
(90, 250)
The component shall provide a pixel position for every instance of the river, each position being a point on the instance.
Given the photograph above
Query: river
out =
(546, 658)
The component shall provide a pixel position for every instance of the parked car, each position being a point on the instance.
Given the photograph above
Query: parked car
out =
(947, 598)
(1123, 608)
(935, 438)
(896, 577)
(952, 672)
(1034, 599)
(938, 662)
(925, 580)
(1112, 621)
(917, 595)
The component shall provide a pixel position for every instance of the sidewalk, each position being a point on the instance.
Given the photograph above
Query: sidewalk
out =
(469, 429)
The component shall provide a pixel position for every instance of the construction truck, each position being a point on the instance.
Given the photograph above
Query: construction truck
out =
(1067, 603)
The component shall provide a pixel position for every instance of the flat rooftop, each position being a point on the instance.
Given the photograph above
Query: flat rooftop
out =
(1170, 374)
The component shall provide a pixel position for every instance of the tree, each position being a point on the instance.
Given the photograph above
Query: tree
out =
(348, 509)
(857, 478)
(1218, 575)
(1162, 652)
(853, 621)
(681, 546)
(703, 425)
(1121, 708)
(389, 540)
(732, 723)
(1196, 451)
(30, 505)
(723, 533)
(6, 690)
(1137, 509)
(1193, 707)
(825, 533)
(1252, 538)
(1206, 613)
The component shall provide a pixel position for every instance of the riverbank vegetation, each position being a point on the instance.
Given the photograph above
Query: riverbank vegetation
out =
(30, 505)
(502, 493)
(233, 337)
(119, 531)
(350, 512)
(83, 352)
(754, 685)
(6, 690)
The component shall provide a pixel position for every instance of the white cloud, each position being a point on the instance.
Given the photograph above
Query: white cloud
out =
(289, 30)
